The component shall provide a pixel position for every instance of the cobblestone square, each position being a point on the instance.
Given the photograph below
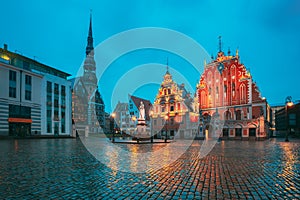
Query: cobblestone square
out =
(64, 169)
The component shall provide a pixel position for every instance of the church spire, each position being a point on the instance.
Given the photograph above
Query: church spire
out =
(167, 65)
(90, 45)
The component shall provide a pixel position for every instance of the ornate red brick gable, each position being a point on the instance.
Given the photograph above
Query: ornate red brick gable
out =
(224, 82)
(226, 90)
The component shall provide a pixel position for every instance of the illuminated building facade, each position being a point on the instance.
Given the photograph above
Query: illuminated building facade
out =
(172, 113)
(127, 114)
(226, 91)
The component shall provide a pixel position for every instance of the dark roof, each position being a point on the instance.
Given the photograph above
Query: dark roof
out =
(147, 104)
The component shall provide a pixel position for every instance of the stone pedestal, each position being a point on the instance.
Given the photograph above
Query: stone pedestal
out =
(142, 131)
(141, 127)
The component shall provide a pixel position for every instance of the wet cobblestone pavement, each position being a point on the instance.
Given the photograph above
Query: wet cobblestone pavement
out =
(64, 169)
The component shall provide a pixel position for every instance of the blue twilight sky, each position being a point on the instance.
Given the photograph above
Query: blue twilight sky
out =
(267, 34)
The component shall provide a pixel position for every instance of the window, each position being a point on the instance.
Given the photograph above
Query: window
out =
(49, 99)
(12, 92)
(16, 111)
(27, 95)
(172, 108)
(63, 103)
(49, 87)
(56, 90)
(49, 113)
(49, 126)
(227, 115)
(242, 93)
(12, 75)
(56, 115)
(26, 65)
(27, 87)
(27, 80)
(238, 115)
(63, 128)
(63, 90)
(233, 89)
(55, 102)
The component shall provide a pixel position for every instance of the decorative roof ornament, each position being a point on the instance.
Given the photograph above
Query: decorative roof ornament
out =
(237, 53)
(220, 43)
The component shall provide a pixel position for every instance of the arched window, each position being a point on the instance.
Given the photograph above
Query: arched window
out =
(243, 93)
(238, 115)
(233, 89)
(233, 72)
(209, 77)
(227, 115)
(203, 98)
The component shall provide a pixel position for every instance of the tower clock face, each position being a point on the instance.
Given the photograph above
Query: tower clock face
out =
(220, 67)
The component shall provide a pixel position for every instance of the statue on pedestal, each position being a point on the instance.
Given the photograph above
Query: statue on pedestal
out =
(142, 111)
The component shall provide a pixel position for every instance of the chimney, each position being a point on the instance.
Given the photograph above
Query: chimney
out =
(5, 47)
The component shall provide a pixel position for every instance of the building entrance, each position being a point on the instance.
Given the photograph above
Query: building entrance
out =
(225, 132)
(252, 132)
(19, 129)
(238, 132)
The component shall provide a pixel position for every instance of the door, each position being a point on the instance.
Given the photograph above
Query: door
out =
(225, 132)
(252, 132)
(238, 132)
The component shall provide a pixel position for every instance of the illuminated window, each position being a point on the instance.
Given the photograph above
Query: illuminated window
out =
(242, 93)
(172, 108)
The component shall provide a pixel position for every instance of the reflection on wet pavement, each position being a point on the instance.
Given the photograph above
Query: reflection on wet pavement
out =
(64, 169)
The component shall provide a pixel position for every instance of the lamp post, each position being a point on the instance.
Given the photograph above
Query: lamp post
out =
(288, 103)
(166, 118)
(113, 115)
(133, 118)
(200, 123)
(151, 126)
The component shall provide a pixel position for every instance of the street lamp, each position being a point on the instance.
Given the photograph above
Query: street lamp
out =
(133, 118)
(288, 103)
(200, 123)
(113, 115)
(166, 118)
(151, 126)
